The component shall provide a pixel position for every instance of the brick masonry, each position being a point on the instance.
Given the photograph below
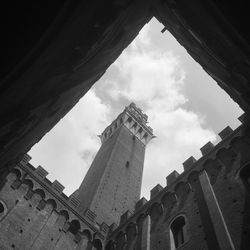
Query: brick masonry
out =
(36, 214)
(112, 184)
(220, 221)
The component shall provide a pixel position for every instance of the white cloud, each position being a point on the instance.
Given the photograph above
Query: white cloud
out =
(67, 151)
(154, 81)
(179, 135)
(143, 38)
(150, 77)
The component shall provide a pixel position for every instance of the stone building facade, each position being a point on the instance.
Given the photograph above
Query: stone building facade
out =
(36, 214)
(205, 207)
(52, 57)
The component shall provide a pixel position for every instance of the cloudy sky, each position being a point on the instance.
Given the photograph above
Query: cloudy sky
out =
(185, 106)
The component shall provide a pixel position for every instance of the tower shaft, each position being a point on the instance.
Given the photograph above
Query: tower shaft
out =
(113, 182)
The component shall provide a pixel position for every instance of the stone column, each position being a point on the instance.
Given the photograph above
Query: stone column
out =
(145, 237)
(219, 225)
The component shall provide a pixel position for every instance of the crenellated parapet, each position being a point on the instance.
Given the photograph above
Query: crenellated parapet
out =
(33, 185)
(134, 120)
(220, 163)
(222, 171)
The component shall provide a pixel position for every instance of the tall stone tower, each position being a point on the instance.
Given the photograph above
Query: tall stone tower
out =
(113, 182)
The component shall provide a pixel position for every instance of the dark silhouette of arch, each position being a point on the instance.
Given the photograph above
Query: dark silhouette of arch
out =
(132, 226)
(155, 211)
(74, 227)
(52, 203)
(97, 244)
(16, 172)
(178, 230)
(110, 245)
(121, 240)
(227, 158)
(131, 231)
(182, 190)
(65, 214)
(40, 192)
(140, 218)
(28, 182)
(242, 146)
(41, 204)
(236, 140)
(213, 168)
(87, 233)
(182, 185)
(193, 178)
(168, 201)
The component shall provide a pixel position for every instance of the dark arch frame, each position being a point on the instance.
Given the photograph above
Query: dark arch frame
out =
(65, 214)
(28, 182)
(17, 173)
(52, 202)
(74, 227)
(178, 231)
(40, 192)
(97, 244)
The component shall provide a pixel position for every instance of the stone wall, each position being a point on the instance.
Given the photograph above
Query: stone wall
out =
(211, 196)
(35, 214)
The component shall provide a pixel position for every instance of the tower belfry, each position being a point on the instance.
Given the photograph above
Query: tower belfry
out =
(112, 184)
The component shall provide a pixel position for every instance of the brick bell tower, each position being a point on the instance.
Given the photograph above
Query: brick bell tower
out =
(112, 184)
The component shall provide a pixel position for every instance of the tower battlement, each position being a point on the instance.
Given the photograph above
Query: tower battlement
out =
(134, 120)
(137, 113)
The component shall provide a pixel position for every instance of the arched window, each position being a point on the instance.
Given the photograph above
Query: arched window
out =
(74, 227)
(178, 234)
(97, 244)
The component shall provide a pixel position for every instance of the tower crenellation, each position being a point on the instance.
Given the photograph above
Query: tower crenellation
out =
(135, 121)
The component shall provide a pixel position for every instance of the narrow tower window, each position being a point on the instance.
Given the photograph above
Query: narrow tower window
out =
(178, 232)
